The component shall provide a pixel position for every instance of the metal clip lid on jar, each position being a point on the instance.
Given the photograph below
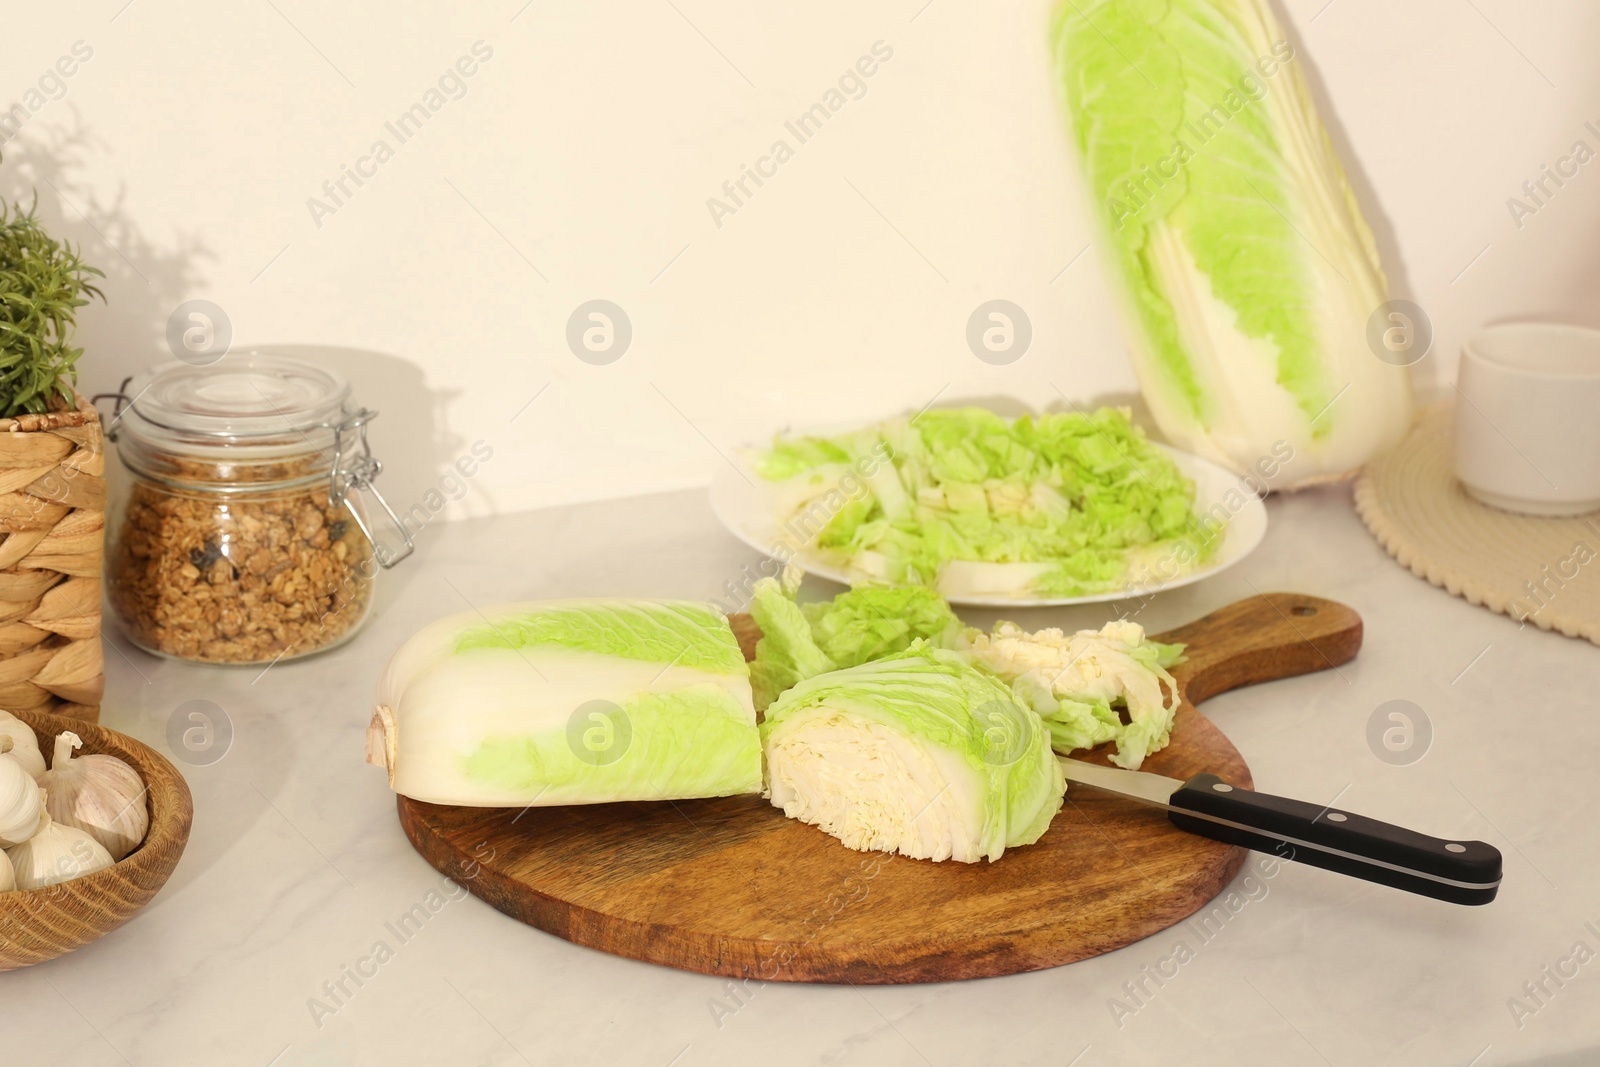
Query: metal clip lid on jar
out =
(256, 422)
(234, 544)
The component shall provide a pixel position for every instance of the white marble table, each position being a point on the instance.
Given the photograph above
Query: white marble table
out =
(297, 866)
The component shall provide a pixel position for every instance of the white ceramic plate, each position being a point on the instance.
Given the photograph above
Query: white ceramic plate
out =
(748, 505)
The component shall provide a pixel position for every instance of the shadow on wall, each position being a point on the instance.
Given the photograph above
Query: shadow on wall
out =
(1544, 264)
(411, 438)
(145, 279)
(1574, 298)
(1378, 220)
(1532, 269)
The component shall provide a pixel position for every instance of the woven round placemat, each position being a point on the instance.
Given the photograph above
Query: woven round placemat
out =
(1543, 571)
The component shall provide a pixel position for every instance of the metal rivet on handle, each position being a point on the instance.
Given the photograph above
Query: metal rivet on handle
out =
(1453, 847)
(1334, 816)
(1223, 787)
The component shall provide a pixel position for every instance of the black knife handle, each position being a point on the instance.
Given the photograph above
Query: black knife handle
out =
(1462, 872)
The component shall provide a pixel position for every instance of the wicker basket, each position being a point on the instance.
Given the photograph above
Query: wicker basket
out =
(52, 518)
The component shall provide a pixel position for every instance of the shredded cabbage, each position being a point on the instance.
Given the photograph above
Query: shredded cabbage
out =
(971, 503)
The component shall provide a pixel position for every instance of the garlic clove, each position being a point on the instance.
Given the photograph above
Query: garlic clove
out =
(23, 744)
(98, 794)
(20, 806)
(55, 854)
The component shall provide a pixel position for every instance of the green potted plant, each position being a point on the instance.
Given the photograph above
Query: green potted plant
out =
(52, 464)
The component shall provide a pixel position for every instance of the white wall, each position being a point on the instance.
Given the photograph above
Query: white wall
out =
(580, 160)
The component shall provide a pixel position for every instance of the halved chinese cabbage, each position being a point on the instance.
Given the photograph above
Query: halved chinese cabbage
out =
(569, 702)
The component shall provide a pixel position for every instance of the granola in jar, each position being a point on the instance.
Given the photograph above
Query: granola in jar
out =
(236, 542)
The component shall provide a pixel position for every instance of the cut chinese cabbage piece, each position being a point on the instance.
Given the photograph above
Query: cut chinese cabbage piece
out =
(1247, 275)
(1072, 681)
(919, 753)
(569, 702)
(862, 624)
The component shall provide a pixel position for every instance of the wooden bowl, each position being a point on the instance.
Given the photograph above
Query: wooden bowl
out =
(41, 924)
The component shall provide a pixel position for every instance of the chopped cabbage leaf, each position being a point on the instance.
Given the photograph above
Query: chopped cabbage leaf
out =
(787, 652)
(871, 622)
(855, 627)
(1073, 681)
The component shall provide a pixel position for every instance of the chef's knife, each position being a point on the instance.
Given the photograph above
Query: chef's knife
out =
(1462, 872)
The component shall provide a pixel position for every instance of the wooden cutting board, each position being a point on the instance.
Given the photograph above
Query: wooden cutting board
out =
(732, 887)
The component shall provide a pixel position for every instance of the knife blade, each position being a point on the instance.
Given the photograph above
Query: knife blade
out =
(1461, 872)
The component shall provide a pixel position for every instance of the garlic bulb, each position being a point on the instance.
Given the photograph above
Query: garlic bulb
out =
(24, 745)
(56, 854)
(98, 794)
(19, 801)
(8, 880)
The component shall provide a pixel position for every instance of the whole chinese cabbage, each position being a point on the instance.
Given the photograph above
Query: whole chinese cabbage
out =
(1247, 274)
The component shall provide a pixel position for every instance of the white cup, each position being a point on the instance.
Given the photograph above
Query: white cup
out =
(1528, 418)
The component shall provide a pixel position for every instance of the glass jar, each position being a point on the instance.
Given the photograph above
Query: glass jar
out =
(242, 536)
